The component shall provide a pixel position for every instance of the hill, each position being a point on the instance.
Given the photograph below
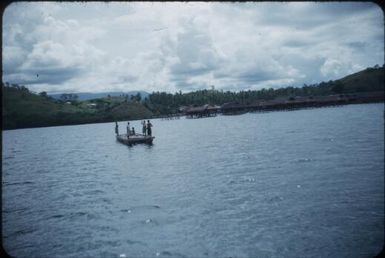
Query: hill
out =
(89, 96)
(22, 108)
(368, 80)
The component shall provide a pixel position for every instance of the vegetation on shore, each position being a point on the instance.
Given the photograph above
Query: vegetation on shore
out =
(368, 80)
(22, 108)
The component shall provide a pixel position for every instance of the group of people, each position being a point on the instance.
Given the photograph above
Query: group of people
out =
(146, 128)
(130, 132)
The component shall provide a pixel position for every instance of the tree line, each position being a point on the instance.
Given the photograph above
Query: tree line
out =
(163, 103)
(371, 79)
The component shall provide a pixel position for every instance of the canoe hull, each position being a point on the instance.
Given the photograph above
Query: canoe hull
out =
(134, 139)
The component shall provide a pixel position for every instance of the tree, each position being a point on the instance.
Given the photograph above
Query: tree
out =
(68, 97)
(138, 97)
(338, 87)
(43, 94)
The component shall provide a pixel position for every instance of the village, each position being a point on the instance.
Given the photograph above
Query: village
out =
(292, 103)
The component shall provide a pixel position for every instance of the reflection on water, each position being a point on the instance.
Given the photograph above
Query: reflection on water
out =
(306, 183)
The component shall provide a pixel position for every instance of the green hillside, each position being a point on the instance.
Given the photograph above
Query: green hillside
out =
(370, 79)
(22, 108)
(367, 81)
(131, 111)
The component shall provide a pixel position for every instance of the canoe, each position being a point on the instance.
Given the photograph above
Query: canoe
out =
(134, 139)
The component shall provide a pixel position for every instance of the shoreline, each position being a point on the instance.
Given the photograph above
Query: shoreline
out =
(239, 110)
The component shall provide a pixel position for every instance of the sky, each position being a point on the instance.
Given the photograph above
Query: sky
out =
(63, 47)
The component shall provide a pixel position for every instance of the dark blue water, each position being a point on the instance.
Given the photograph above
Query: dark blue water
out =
(306, 183)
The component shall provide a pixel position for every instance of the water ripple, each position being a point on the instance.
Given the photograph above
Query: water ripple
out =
(18, 183)
(275, 184)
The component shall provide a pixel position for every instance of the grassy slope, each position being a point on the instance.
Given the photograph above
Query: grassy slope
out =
(28, 103)
(23, 109)
(370, 79)
(131, 111)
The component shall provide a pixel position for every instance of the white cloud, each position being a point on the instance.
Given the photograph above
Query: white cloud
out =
(333, 68)
(186, 46)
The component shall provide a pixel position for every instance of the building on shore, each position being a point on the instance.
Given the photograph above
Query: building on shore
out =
(201, 111)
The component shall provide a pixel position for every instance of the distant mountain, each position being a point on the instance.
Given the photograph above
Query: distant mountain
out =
(88, 96)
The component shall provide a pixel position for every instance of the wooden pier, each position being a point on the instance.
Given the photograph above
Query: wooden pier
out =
(293, 103)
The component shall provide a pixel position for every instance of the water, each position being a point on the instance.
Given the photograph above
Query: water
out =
(306, 183)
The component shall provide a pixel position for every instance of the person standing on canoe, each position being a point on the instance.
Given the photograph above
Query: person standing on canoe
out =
(128, 129)
(149, 125)
(116, 128)
(144, 127)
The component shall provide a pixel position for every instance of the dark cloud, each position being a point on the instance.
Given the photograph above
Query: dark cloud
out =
(298, 43)
(338, 9)
(257, 76)
(53, 76)
(357, 45)
(179, 70)
(305, 15)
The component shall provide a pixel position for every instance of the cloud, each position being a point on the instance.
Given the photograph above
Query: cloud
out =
(174, 46)
(332, 68)
(195, 54)
(56, 50)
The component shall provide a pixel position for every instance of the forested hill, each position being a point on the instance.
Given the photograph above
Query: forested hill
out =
(368, 80)
(88, 96)
(22, 108)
